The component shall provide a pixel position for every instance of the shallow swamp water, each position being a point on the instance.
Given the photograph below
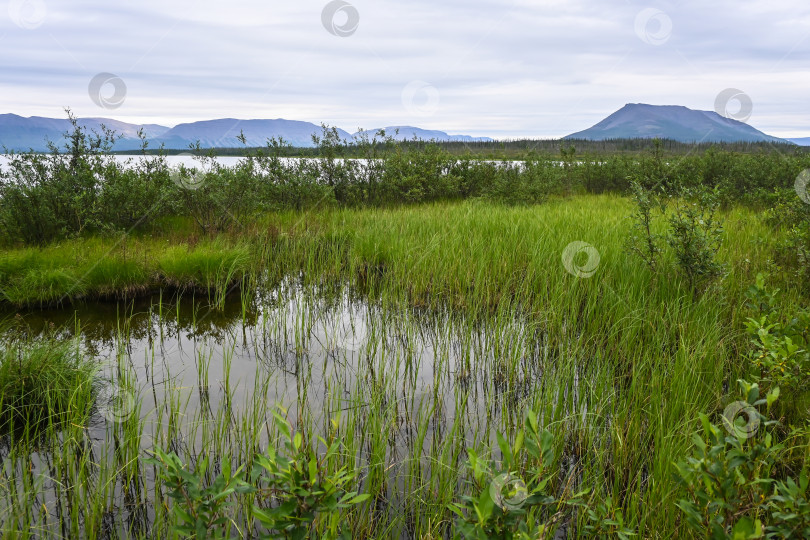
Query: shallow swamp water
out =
(406, 390)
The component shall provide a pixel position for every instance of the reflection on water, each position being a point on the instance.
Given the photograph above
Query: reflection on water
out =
(404, 382)
(291, 324)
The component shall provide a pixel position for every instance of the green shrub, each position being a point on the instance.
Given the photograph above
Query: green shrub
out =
(695, 235)
(199, 511)
(643, 241)
(517, 500)
(790, 214)
(521, 498)
(217, 198)
(297, 495)
(789, 508)
(135, 194)
(779, 355)
(509, 184)
(79, 188)
(731, 478)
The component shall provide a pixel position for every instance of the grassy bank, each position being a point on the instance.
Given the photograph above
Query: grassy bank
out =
(460, 254)
(120, 267)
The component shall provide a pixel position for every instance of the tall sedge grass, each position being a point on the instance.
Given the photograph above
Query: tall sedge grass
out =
(44, 383)
(414, 334)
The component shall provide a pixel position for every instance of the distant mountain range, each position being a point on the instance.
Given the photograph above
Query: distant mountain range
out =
(639, 120)
(407, 133)
(634, 120)
(22, 134)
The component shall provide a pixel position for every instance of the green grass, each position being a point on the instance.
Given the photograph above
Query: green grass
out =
(118, 268)
(447, 253)
(44, 383)
(471, 318)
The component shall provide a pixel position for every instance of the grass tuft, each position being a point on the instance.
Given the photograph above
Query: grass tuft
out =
(43, 383)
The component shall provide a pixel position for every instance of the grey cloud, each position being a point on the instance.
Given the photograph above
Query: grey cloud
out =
(531, 68)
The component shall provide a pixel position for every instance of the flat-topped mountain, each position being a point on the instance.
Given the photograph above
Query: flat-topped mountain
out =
(639, 120)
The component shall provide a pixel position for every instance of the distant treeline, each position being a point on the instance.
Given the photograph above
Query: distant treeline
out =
(522, 148)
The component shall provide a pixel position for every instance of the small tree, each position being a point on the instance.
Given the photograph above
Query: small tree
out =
(695, 235)
(643, 241)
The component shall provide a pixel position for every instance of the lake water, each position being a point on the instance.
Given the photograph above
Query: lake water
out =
(228, 161)
(407, 382)
(173, 161)
(288, 329)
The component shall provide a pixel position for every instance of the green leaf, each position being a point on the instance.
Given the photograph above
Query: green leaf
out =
(359, 498)
(485, 506)
(297, 440)
(282, 425)
(456, 509)
(313, 470)
(547, 444)
(505, 450)
(772, 396)
(753, 529)
(518, 443)
(531, 421)
(202, 530)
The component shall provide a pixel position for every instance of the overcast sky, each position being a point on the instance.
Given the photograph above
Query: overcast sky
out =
(540, 68)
